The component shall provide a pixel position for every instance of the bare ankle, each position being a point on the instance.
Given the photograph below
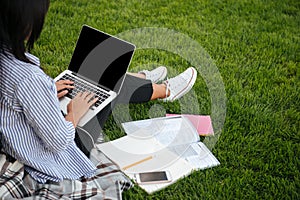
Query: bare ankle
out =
(159, 91)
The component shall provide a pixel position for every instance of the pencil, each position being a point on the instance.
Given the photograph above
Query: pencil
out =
(138, 162)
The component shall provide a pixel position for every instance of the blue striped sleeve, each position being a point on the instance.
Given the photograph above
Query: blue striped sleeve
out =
(37, 96)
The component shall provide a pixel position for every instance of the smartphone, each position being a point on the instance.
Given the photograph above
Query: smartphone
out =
(153, 177)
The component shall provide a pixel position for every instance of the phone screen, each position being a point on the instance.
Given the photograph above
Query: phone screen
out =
(153, 176)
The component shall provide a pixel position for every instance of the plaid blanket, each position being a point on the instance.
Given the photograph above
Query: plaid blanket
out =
(108, 183)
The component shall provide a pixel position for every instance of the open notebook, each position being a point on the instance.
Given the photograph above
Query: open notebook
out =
(167, 143)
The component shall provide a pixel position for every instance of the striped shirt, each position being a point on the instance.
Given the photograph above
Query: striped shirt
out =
(32, 127)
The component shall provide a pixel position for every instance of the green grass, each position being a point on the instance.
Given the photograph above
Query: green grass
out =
(254, 44)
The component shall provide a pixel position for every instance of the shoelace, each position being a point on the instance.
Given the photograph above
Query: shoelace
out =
(167, 87)
(167, 83)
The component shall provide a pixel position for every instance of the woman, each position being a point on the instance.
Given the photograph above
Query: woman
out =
(32, 128)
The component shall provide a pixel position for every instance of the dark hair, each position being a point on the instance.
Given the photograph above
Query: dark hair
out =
(20, 19)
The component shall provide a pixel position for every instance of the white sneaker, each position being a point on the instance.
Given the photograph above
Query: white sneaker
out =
(155, 75)
(180, 84)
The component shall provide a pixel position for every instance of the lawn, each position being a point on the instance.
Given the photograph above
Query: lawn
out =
(251, 88)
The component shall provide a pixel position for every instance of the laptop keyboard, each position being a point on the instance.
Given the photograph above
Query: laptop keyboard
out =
(81, 86)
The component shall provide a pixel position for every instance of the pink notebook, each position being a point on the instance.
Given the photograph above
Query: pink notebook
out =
(202, 123)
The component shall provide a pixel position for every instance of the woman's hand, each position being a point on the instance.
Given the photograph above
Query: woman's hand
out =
(79, 105)
(62, 87)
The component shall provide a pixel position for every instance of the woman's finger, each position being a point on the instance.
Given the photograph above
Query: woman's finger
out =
(93, 101)
(62, 93)
(61, 87)
(65, 82)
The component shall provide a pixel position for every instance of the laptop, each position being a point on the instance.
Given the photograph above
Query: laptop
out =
(99, 64)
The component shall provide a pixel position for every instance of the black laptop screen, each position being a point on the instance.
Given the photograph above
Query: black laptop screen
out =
(101, 58)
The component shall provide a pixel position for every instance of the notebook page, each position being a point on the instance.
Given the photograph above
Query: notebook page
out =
(127, 150)
(203, 158)
(168, 131)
